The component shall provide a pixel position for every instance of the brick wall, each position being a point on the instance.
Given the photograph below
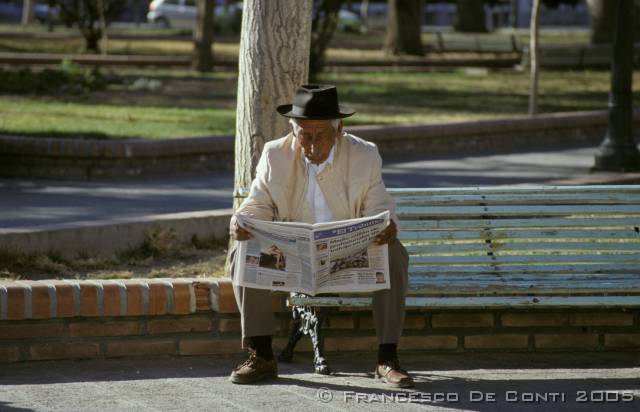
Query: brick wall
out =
(152, 317)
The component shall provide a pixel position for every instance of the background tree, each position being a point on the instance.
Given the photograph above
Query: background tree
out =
(202, 57)
(27, 11)
(603, 15)
(323, 25)
(364, 14)
(619, 152)
(470, 16)
(85, 14)
(404, 21)
(534, 50)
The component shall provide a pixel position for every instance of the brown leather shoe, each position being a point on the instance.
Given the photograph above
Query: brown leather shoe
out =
(255, 369)
(390, 373)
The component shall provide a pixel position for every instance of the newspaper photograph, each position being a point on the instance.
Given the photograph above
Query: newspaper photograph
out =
(329, 257)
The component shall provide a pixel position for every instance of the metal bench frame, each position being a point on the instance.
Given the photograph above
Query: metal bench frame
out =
(505, 247)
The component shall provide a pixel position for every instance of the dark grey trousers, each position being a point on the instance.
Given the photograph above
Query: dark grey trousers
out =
(388, 304)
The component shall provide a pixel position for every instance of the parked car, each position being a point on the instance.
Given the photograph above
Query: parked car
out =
(45, 14)
(10, 12)
(181, 14)
(350, 22)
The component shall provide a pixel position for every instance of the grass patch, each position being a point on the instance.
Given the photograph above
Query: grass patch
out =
(65, 119)
(149, 105)
(160, 255)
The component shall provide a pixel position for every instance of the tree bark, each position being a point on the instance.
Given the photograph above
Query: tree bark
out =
(404, 19)
(603, 14)
(202, 58)
(273, 62)
(470, 16)
(27, 11)
(534, 52)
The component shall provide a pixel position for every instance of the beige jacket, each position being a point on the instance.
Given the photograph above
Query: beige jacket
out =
(352, 184)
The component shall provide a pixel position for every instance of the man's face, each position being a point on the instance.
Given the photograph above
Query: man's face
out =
(316, 137)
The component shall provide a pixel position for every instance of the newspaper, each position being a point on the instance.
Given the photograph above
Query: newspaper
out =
(320, 258)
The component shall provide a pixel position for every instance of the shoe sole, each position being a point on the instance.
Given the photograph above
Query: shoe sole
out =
(259, 378)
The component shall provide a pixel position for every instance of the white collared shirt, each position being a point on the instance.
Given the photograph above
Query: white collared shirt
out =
(315, 197)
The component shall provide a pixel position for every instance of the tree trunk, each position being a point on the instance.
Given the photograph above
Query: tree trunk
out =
(92, 41)
(619, 151)
(273, 62)
(27, 11)
(470, 16)
(103, 27)
(534, 52)
(202, 58)
(404, 19)
(636, 16)
(603, 13)
(364, 14)
(323, 26)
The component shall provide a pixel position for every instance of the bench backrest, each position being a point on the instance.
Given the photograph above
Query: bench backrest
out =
(522, 240)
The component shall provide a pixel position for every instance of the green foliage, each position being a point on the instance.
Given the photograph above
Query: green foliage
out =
(157, 243)
(69, 78)
(85, 14)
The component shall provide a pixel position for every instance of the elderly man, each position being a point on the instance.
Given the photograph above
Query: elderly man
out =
(318, 173)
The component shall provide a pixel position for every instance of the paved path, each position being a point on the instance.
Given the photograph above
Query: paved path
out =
(199, 384)
(28, 204)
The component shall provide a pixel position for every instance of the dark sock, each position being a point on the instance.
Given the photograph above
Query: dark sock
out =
(387, 352)
(262, 346)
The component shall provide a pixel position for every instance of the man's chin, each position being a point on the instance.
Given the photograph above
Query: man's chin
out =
(316, 159)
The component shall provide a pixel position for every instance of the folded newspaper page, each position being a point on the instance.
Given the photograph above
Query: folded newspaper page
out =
(320, 258)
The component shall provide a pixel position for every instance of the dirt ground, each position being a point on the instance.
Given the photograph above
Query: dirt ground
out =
(159, 256)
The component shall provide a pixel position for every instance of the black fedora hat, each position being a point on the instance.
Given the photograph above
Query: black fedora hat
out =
(315, 102)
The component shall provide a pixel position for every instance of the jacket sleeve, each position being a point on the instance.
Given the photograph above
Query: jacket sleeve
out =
(376, 198)
(259, 204)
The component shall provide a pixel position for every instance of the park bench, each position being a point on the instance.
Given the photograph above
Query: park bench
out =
(577, 56)
(505, 247)
(478, 43)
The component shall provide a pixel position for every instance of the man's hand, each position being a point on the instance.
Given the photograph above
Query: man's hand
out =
(387, 235)
(239, 233)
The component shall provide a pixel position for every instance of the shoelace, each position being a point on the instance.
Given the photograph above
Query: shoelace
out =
(253, 358)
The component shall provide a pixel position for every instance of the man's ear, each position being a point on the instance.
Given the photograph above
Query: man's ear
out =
(340, 125)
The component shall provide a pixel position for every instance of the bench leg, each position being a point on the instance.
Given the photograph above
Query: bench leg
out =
(320, 363)
(308, 321)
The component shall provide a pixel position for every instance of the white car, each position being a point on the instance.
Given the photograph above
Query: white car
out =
(181, 14)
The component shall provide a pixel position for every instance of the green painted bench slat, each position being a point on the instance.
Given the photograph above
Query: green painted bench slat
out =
(493, 286)
(491, 223)
(479, 302)
(501, 245)
(529, 199)
(528, 259)
(487, 190)
(629, 268)
(525, 233)
(519, 210)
